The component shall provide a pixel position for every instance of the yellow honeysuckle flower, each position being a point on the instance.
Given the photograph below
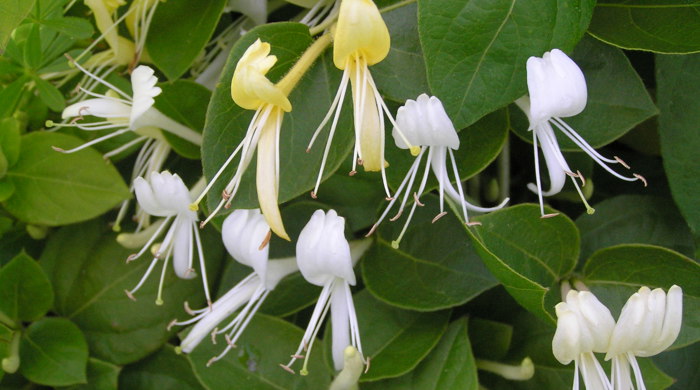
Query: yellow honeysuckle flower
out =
(360, 39)
(250, 88)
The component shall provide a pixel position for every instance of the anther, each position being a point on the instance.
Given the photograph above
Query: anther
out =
(473, 223)
(213, 335)
(130, 295)
(171, 324)
(286, 368)
(56, 148)
(225, 194)
(549, 215)
(360, 161)
(265, 241)
(297, 356)
(374, 227)
(442, 214)
(352, 173)
(624, 164)
(418, 202)
(211, 361)
(229, 341)
(308, 150)
(395, 217)
(640, 177)
(583, 179)
(389, 198)
(313, 195)
(202, 224)
(132, 257)
(367, 365)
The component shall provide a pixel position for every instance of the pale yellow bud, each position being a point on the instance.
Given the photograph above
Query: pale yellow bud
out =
(360, 31)
(250, 88)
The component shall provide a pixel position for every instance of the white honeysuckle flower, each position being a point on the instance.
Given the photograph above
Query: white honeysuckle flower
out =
(360, 39)
(584, 326)
(165, 195)
(649, 323)
(124, 113)
(324, 258)
(557, 89)
(245, 235)
(425, 123)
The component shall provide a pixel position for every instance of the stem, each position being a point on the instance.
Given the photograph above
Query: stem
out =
(521, 372)
(504, 170)
(10, 364)
(291, 79)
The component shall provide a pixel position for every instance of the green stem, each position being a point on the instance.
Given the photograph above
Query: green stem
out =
(10, 364)
(504, 170)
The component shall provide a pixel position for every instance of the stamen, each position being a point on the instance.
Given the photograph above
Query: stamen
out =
(583, 179)
(130, 295)
(171, 324)
(544, 216)
(374, 227)
(473, 223)
(624, 164)
(415, 198)
(265, 241)
(640, 177)
(442, 214)
(286, 368)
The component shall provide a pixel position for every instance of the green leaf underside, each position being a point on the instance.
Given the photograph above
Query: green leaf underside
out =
(450, 365)
(53, 188)
(678, 80)
(494, 40)
(528, 254)
(25, 291)
(634, 219)
(89, 275)
(227, 123)
(182, 29)
(53, 352)
(662, 26)
(435, 262)
(254, 364)
(162, 370)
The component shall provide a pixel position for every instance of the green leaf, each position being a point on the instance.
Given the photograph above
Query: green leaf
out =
(617, 97)
(681, 364)
(490, 339)
(184, 102)
(50, 95)
(164, 370)
(53, 352)
(82, 185)
(254, 364)
(528, 254)
(179, 31)
(100, 376)
(619, 271)
(401, 75)
(25, 291)
(227, 123)
(12, 13)
(75, 27)
(634, 219)
(496, 38)
(10, 139)
(10, 95)
(89, 274)
(395, 340)
(449, 366)
(662, 26)
(678, 80)
(32, 48)
(435, 267)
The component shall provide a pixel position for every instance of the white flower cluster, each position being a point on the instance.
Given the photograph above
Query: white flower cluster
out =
(648, 324)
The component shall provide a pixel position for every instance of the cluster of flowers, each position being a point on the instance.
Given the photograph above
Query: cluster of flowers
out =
(648, 324)
(360, 38)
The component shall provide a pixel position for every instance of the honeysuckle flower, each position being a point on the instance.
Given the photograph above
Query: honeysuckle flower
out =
(324, 259)
(361, 39)
(245, 235)
(557, 89)
(252, 90)
(584, 326)
(121, 50)
(123, 113)
(649, 323)
(165, 195)
(425, 123)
